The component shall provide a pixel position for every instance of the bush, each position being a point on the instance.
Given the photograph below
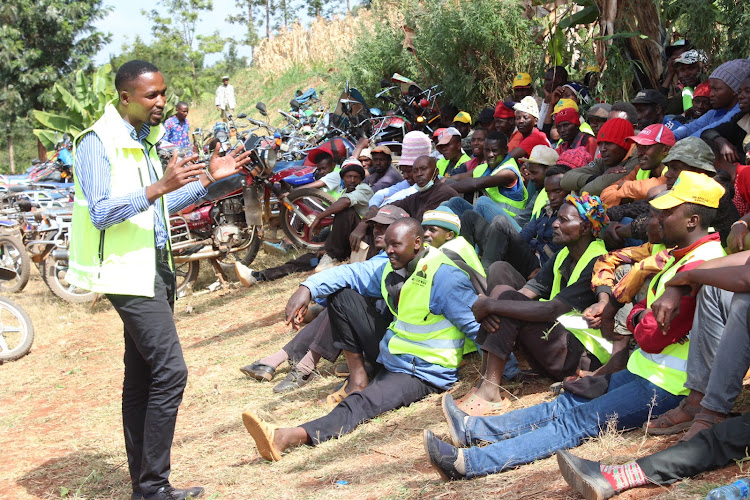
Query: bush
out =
(471, 49)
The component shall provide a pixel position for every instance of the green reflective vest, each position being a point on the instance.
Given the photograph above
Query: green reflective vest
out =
(642, 175)
(122, 258)
(539, 204)
(512, 207)
(335, 193)
(668, 369)
(418, 332)
(442, 164)
(468, 255)
(591, 338)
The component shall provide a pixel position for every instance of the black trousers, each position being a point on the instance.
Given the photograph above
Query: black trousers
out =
(155, 377)
(498, 241)
(317, 336)
(387, 391)
(708, 450)
(300, 264)
(357, 324)
(337, 244)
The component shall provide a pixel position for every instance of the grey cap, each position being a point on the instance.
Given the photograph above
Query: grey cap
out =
(600, 110)
(693, 151)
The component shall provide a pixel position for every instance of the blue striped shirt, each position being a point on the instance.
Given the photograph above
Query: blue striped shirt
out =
(92, 169)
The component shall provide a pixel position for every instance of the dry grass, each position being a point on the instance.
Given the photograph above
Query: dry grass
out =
(60, 421)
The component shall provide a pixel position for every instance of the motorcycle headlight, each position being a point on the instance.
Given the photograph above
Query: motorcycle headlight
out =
(267, 159)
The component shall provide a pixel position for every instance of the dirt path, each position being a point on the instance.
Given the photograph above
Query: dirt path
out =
(61, 436)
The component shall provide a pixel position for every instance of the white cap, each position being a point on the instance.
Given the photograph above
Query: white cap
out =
(445, 137)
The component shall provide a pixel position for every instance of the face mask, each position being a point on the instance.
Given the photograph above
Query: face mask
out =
(426, 186)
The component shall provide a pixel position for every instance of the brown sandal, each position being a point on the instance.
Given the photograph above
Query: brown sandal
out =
(335, 398)
(701, 422)
(672, 421)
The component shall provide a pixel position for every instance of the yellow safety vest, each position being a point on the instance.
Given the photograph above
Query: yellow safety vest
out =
(418, 332)
(442, 164)
(336, 192)
(512, 207)
(668, 369)
(122, 258)
(539, 204)
(591, 338)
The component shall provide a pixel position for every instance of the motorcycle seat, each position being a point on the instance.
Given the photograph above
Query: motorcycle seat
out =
(222, 188)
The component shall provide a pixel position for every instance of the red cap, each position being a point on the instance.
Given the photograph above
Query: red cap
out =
(616, 130)
(702, 90)
(503, 111)
(656, 133)
(437, 132)
(567, 115)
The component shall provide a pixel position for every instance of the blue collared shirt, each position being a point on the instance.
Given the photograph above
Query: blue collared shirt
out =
(94, 175)
(176, 132)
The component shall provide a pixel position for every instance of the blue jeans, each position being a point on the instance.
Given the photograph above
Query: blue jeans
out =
(485, 207)
(533, 433)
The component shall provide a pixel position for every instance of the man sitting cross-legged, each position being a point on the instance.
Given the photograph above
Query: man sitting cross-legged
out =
(563, 284)
(653, 382)
(420, 352)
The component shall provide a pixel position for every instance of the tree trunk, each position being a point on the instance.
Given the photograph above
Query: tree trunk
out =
(268, 18)
(195, 80)
(10, 153)
(41, 150)
(348, 6)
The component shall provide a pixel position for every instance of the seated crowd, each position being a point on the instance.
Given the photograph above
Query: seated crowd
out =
(603, 244)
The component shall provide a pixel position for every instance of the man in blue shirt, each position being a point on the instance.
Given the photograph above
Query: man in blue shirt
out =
(403, 377)
(177, 128)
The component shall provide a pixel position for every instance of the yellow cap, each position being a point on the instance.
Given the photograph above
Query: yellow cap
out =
(522, 80)
(462, 117)
(691, 187)
(565, 103)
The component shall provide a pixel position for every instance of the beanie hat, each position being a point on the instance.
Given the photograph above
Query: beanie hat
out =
(352, 164)
(442, 217)
(574, 158)
(732, 73)
(415, 144)
(567, 115)
(505, 110)
(528, 105)
(702, 90)
(616, 130)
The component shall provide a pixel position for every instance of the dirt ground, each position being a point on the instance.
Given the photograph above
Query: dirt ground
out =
(61, 435)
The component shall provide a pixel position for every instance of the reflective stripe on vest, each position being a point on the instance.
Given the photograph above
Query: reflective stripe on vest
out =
(668, 369)
(512, 207)
(591, 338)
(539, 204)
(417, 331)
(442, 165)
(122, 258)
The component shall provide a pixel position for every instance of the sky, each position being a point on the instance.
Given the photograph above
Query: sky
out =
(126, 21)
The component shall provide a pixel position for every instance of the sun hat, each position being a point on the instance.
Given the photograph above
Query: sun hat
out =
(542, 155)
(528, 105)
(692, 151)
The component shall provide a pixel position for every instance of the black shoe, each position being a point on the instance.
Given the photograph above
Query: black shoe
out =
(259, 371)
(584, 476)
(169, 493)
(442, 457)
(455, 418)
(294, 380)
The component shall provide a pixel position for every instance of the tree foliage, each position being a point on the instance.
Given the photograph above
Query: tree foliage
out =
(472, 49)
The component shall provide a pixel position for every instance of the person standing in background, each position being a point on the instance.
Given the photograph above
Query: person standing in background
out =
(225, 98)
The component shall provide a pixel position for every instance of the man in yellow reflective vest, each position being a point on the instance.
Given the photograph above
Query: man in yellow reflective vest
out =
(120, 247)
(420, 351)
(652, 384)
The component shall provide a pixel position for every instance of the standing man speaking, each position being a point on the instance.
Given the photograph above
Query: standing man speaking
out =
(120, 247)
(225, 98)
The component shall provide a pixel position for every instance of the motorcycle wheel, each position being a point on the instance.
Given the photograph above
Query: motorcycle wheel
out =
(310, 202)
(186, 275)
(16, 331)
(13, 255)
(53, 274)
(245, 256)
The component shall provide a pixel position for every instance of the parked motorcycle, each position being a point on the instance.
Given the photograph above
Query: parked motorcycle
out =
(16, 328)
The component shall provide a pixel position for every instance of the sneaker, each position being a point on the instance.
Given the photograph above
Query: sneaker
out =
(245, 274)
(276, 248)
(326, 262)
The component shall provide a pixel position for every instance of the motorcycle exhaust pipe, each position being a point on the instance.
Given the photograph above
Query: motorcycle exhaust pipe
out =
(59, 254)
(253, 206)
(197, 256)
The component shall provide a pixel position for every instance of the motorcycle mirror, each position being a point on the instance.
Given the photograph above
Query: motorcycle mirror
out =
(294, 104)
(242, 115)
(375, 112)
(384, 91)
(385, 83)
(262, 108)
(327, 120)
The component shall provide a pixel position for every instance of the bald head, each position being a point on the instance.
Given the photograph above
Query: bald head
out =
(403, 241)
(424, 170)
